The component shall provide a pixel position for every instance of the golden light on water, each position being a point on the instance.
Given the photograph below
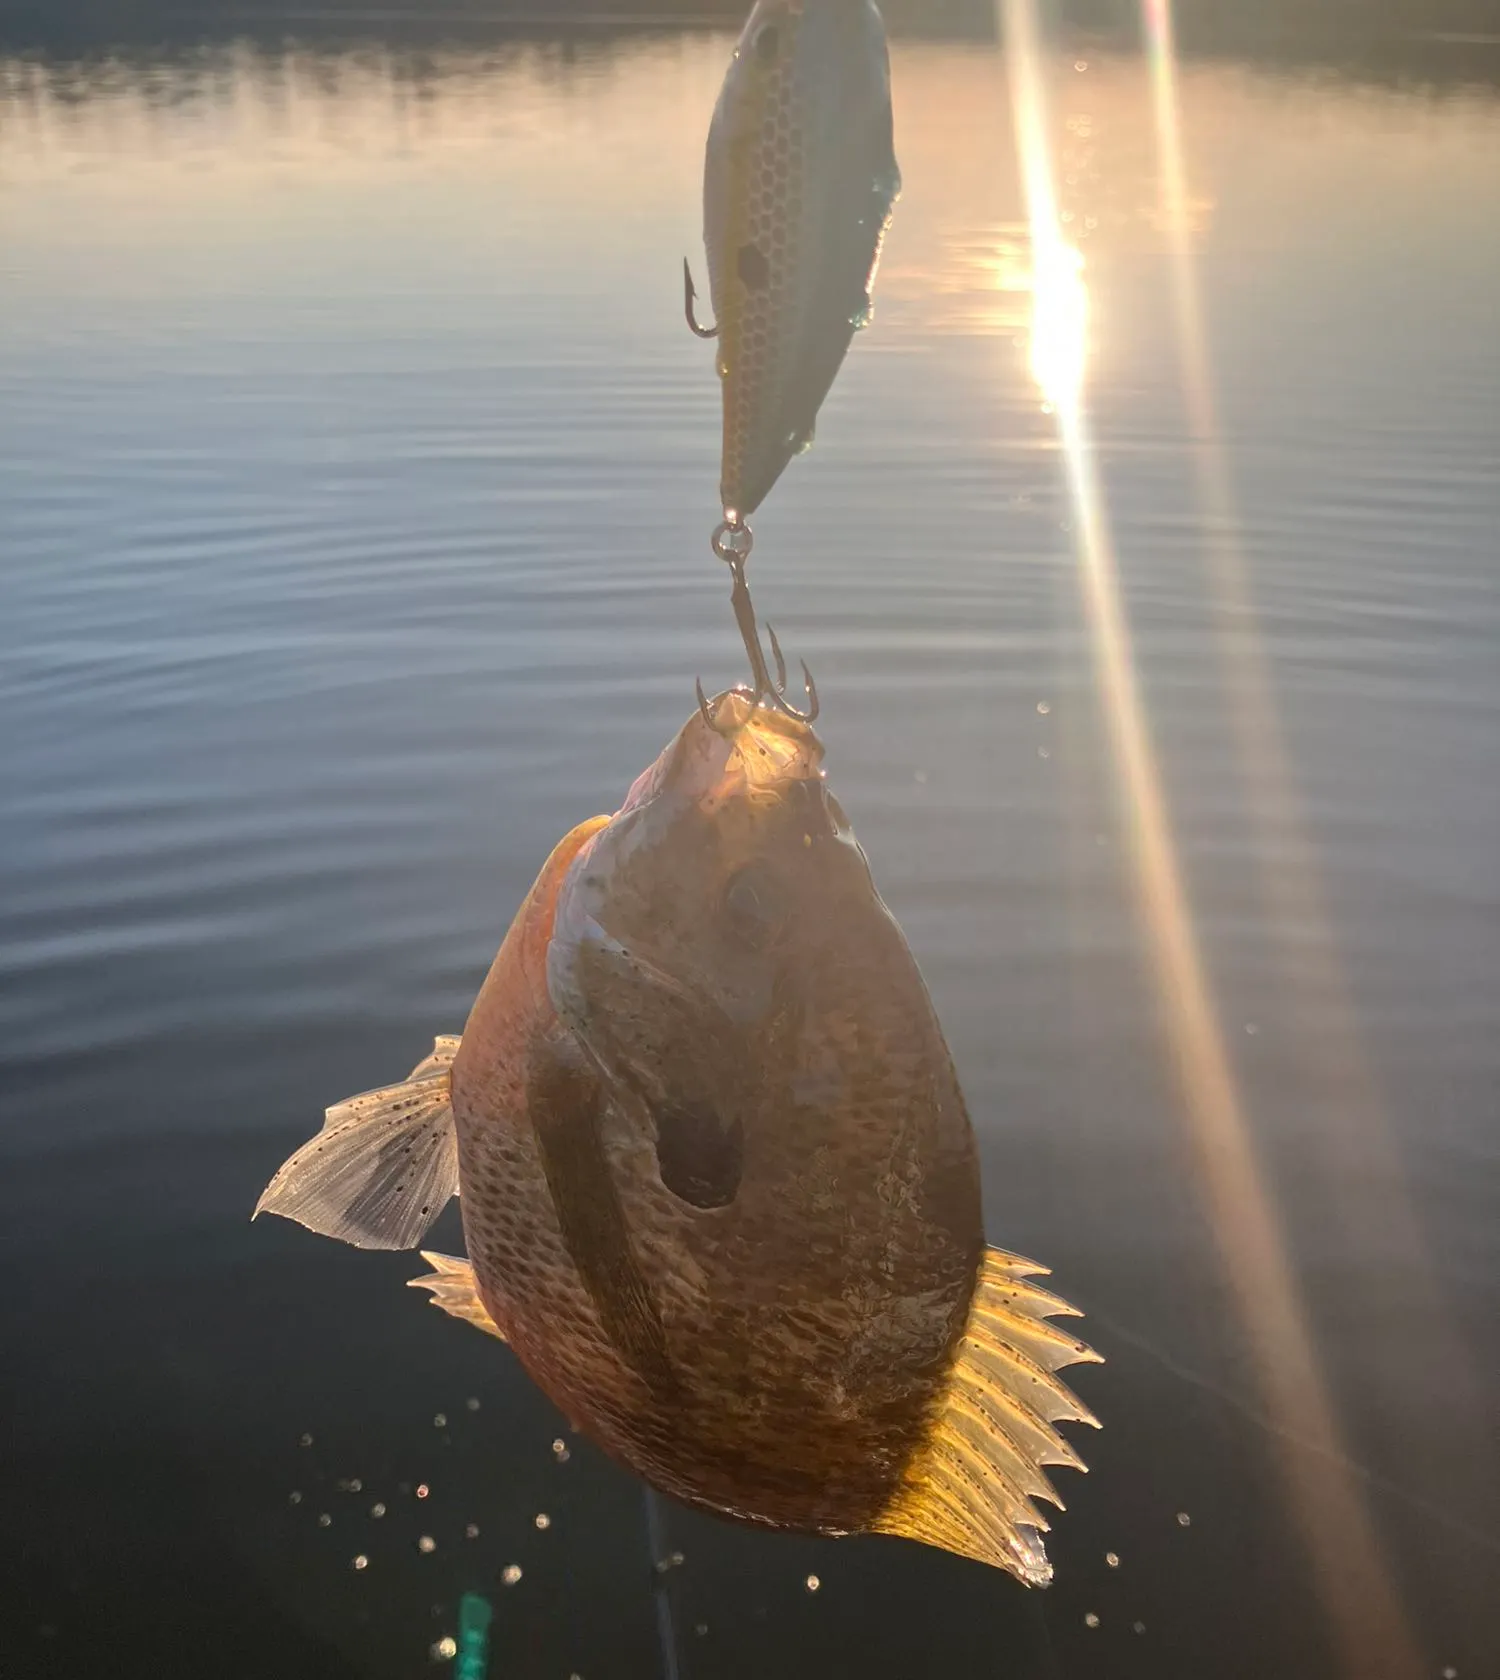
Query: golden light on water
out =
(1059, 323)
(1357, 1589)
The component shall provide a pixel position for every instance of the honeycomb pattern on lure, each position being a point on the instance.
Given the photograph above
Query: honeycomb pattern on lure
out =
(768, 160)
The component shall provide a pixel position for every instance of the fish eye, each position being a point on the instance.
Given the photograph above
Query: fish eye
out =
(767, 43)
(753, 903)
(742, 898)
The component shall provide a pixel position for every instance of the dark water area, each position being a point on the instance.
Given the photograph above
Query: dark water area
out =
(356, 472)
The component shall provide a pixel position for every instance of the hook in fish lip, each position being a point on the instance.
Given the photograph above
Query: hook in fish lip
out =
(689, 299)
(708, 709)
(764, 700)
(777, 701)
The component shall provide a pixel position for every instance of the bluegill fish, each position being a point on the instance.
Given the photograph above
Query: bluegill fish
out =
(798, 184)
(719, 1187)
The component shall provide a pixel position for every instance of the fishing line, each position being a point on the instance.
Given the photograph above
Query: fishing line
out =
(1247, 1409)
(666, 1632)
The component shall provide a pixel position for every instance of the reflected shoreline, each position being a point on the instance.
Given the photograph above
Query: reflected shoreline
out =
(1392, 42)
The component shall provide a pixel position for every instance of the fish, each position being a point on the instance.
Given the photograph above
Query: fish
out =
(719, 1187)
(799, 181)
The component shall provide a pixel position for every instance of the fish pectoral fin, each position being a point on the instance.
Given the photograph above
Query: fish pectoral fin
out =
(970, 1487)
(451, 1282)
(566, 1102)
(384, 1165)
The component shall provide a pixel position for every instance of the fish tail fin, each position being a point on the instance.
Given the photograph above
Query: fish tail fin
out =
(384, 1166)
(970, 1487)
(451, 1282)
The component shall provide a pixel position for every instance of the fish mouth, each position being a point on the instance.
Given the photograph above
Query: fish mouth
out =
(738, 749)
(746, 749)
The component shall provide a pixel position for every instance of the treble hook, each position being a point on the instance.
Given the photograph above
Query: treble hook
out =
(689, 298)
(732, 542)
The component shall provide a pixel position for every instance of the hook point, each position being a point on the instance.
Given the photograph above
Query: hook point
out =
(777, 655)
(689, 299)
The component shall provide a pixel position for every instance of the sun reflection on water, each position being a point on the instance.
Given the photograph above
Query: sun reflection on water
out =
(1059, 323)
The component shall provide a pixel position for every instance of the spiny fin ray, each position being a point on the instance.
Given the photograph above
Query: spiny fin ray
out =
(971, 1487)
(451, 1282)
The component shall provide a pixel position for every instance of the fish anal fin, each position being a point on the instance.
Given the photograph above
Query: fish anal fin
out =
(383, 1167)
(451, 1284)
(970, 1486)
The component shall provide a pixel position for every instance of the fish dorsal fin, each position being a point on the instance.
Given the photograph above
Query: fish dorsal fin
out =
(384, 1166)
(970, 1487)
(451, 1282)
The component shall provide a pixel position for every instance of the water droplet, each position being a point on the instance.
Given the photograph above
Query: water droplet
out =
(1080, 64)
(440, 1420)
(471, 1531)
(700, 1628)
(1252, 1027)
(378, 1508)
(1091, 1620)
(423, 1490)
(862, 316)
(1450, 1674)
(356, 1485)
(812, 1583)
(445, 1650)
(511, 1574)
(324, 1520)
(1184, 1520)
(1112, 1559)
(472, 1402)
(294, 1497)
(1137, 1627)
(305, 1441)
(919, 775)
(542, 1520)
(360, 1562)
(1044, 752)
(1043, 707)
(426, 1544)
(560, 1450)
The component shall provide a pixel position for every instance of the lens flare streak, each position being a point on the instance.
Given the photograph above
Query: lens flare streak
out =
(1359, 1597)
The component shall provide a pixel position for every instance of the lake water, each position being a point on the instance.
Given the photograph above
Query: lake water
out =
(356, 474)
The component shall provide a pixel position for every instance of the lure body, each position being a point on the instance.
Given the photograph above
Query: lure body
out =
(799, 179)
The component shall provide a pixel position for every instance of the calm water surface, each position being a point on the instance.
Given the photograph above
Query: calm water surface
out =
(355, 478)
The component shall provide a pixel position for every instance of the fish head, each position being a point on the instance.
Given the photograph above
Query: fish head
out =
(688, 915)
